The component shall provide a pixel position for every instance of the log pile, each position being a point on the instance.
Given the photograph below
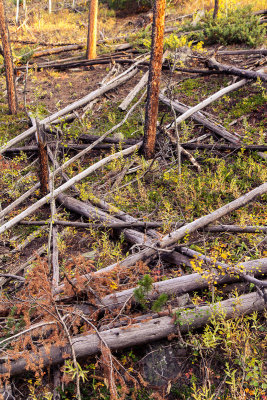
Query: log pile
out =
(91, 296)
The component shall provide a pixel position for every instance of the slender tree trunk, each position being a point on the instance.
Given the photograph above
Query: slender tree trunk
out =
(10, 81)
(92, 30)
(49, 6)
(216, 8)
(17, 13)
(154, 78)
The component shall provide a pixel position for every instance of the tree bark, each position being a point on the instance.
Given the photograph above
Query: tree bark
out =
(216, 8)
(229, 69)
(66, 185)
(155, 67)
(92, 30)
(187, 283)
(136, 334)
(10, 80)
(219, 130)
(79, 103)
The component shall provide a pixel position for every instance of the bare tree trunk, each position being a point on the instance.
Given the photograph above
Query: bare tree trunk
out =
(92, 30)
(10, 81)
(216, 8)
(49, 6)
(17, 13)
(154, 78)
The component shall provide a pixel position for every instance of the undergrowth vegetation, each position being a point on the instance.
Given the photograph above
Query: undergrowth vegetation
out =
(227, 358)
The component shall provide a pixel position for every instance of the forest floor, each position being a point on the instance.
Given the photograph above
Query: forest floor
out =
(223, 360)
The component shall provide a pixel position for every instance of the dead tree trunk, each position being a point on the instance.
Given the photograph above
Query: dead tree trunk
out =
(92, 30)
(216, 8)
(10, 81)
(148, 147)
(43, 158)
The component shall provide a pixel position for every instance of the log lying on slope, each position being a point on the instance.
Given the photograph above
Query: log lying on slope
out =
(201, 119)
(231, 70)
(188, 283)
(189, 228)
(137, 334)
(91, 96)
(132, 236)
(224, 147)
(66, 186)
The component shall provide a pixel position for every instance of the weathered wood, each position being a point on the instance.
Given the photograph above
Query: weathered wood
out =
(236, 229)
(224, 147)
(189, 228)
(137, 334)
(129, 98)
(56, 50)
(219, 130)
(66, 110)
(8, 62)
(132, 236)
(209, 100)
(115, 225)
(66, 185)
(188, 283)
(260, 52)
(155, 67)
(231, 70)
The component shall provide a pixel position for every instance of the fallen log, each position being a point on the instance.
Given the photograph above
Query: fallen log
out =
(69, 162)
(208, 101)
(115, 225)
(219, 130)
(189, 228)
(224, 147)
(66, 110)
(132, 236)
(66, 185)
(231, 70)
(133, 335)
(56, 50)
(129, 98)
(260, 52)
(236, 229)
(188, 283)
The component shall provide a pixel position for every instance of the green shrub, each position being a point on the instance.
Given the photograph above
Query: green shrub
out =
(123, 4)
(239, 26)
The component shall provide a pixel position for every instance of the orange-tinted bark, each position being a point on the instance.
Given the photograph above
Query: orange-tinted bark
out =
(10, 80)
(92, 30)
(154, 79)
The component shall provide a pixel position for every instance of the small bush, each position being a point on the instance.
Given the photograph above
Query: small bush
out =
(129, 4)
(240, 26)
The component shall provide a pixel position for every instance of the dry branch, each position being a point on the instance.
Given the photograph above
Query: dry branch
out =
(188, 283)
(236, 229)
(260, 52)
(137, 334)
(65, 186)
(93, 95)
(224, 147)
(129, 98)
(229, 69)
(201, 119)
(199, 223)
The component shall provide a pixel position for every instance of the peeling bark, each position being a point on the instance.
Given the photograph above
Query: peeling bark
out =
(151, 116)
(92, 30)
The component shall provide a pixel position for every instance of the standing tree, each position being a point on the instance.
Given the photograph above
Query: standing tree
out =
(216, 8)
(155, 67)
(92, 30)
(10, 80)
